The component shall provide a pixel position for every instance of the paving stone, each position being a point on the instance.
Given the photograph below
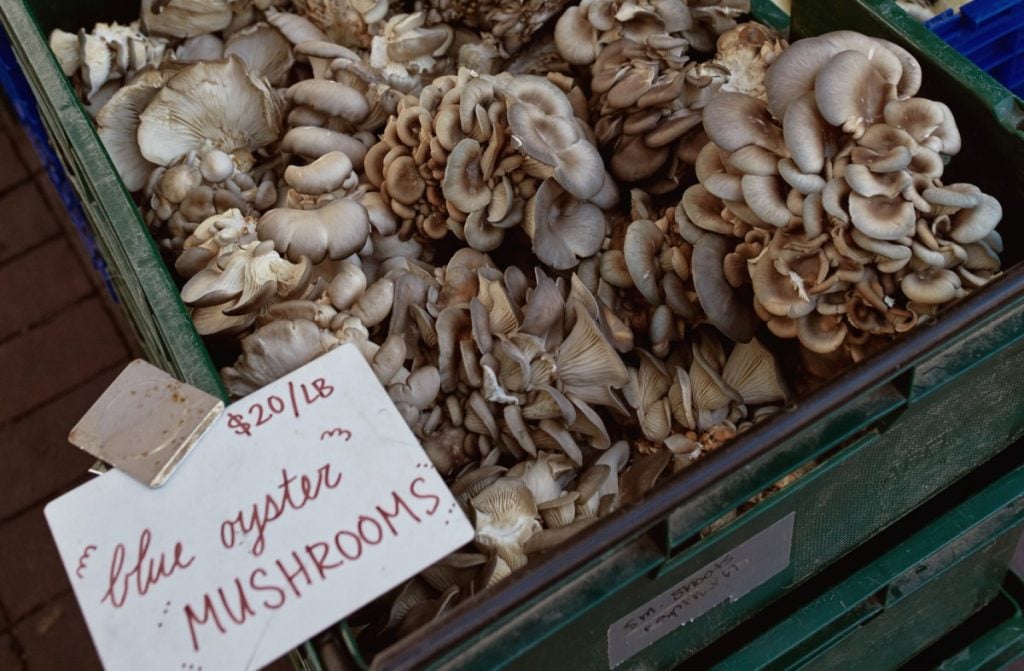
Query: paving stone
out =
(38, 460)
(9, 658)
(37, 284)
(27, 220)
(31, 568)
(56, 638)
(11, 171)
(22, 145)
(58, 355)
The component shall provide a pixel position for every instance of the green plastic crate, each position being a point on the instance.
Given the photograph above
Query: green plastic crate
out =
(989, 641)
(893, 426)
(909, 597)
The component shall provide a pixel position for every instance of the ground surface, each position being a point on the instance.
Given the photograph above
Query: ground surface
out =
(61, 342)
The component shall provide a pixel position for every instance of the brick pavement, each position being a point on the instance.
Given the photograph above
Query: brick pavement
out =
(61, 342)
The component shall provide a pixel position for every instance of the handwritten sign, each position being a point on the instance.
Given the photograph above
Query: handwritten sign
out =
(731, 576)
(304, 501)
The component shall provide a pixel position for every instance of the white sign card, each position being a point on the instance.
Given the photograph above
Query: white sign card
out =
(305, 501)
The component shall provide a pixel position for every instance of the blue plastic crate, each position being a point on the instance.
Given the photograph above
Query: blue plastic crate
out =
(991, 34)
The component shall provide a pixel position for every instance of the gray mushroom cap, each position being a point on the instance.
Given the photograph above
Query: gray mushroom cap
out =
(216, 105)
(563, 228)
(724, 308)
(336, 230)
(735, 120)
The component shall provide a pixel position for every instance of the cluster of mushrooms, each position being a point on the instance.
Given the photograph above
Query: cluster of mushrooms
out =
(569, 239)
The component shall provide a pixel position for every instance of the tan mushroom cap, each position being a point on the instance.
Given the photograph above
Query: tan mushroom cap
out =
(931, 287)
(312, 142)
(753, 372)
(782, 295)
(882, 218)
(576, 37)
(713, 174)
(704, 210)
(820, 333)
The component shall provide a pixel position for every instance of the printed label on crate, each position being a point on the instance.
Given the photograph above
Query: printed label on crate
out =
(731, 576)
(306, 500)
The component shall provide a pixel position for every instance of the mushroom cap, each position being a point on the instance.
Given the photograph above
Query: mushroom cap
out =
(766, 197)
(273, 351)
(713, 174)
(640, 252)
(782, 295)
(324, 175)
(563, 229)
(919, 117)
(265, 51)
(704, 210)
(956, 196)
(753, 372)
(820, 333)
(882, 218)
(205, 47)
(297, 29)
(118, 124)
(464, 184)
(313, 142)
(331, 98)
(185, 18)
(336, 230)
(850, 93)
(792, 74)
(735, 120)
(931, 287)
(975, 223)
(808, 136)
(212, 104)
(724, 308)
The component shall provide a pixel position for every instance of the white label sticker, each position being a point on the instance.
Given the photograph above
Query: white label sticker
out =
(306, 500)
(734, 574)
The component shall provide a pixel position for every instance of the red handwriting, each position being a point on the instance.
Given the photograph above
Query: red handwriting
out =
(144, 571)
(299, 397)
(287, 578)
(336, 433)
(276, 504)
(81, 560)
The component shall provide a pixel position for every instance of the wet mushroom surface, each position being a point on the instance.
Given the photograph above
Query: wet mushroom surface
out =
(573, 240)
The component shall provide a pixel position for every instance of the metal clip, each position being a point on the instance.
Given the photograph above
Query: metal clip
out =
(145, 423)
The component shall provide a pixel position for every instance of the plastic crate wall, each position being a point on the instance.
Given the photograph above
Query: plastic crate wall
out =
(991, 34)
